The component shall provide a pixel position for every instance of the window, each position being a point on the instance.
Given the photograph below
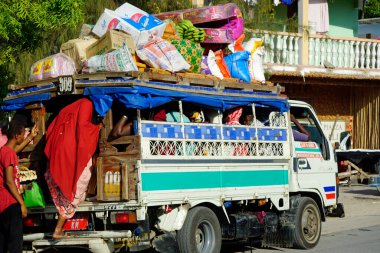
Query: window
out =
(309, 122)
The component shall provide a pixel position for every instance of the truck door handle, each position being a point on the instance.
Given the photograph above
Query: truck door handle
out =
(302, 163)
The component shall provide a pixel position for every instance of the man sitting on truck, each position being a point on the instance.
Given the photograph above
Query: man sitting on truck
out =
(249, 120)
(301, 134)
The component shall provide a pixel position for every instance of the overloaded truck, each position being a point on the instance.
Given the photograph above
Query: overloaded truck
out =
(193, 183)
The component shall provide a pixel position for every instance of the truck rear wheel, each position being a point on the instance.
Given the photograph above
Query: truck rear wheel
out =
(307, 225)
(201, 232)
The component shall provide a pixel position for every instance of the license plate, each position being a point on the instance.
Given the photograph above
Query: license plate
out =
(78, 222)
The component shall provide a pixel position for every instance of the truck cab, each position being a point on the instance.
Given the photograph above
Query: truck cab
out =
(314, 158)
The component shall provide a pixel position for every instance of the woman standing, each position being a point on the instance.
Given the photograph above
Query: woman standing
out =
(71, 141)
(12, 206)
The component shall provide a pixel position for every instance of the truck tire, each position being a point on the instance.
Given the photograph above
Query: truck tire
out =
(200, 233)
(308, 224)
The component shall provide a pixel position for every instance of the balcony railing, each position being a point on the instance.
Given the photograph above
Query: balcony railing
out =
(355, 53)
(281, 47)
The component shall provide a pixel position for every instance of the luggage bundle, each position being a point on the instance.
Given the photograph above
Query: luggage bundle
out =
(206, 40)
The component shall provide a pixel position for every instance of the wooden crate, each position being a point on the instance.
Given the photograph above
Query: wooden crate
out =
(112, 179)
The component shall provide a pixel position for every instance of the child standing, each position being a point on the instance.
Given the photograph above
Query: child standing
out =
(12, 206)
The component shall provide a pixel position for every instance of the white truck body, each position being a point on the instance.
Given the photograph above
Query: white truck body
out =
(208, 180)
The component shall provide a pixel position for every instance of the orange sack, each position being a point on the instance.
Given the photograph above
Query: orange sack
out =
(238, 45)
(222, 64)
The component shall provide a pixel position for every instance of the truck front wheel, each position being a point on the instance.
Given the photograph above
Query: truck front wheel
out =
(308, 224)
(201, 232)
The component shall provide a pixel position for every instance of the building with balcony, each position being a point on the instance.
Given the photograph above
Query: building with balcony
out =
(328, 66)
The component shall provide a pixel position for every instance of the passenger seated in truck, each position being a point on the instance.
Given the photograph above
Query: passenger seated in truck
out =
(122, 128)
(197, 117)
(301, 134)
(168, 148)
(172, 116)
(249, 120)
(233, 116)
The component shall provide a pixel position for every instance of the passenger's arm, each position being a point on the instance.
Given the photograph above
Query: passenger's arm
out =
(11, 186)
(28, 139)
(121, 128)
(299, 126)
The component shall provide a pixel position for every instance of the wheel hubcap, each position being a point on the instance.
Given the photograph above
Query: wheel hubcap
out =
(310, 224)
(204, 236)
(199, 237)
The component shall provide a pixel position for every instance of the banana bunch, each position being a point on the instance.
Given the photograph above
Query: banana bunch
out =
(187, 30)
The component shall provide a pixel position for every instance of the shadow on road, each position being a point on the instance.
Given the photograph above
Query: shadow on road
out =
(365, 192)
(243, 246)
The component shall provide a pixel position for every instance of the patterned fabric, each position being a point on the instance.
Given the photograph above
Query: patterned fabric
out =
(66, 208)
(234, 116)
(192, 52)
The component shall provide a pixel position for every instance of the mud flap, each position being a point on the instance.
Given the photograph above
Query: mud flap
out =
(336, 211)
(166, 243)
(283, 235)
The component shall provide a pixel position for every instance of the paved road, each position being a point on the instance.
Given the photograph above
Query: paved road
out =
(363, 240)
(358, 232)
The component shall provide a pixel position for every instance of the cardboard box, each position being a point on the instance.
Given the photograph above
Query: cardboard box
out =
(112, 40)
(129, 12)
(140, 32)
(76, 50)
(85, 31)
(110, 20)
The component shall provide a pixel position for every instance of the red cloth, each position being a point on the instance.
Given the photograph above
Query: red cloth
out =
(71, 141)
(234, 116)
(160, 115)
(8, 158)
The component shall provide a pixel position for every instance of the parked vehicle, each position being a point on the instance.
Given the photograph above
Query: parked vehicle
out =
(194, 183)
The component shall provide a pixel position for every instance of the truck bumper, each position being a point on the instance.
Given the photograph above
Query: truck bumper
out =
(94, 241)
(82, 234)
(95, 245)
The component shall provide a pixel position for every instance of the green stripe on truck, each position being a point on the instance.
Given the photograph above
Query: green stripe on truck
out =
(159, 181)
(307, 150)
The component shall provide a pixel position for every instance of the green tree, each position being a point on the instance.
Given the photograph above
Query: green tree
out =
(25, 23)
(41, 36)
(372, 9)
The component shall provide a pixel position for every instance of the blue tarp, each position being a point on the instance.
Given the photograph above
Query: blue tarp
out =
(139, 97)
(20, 103)
(31, 89)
